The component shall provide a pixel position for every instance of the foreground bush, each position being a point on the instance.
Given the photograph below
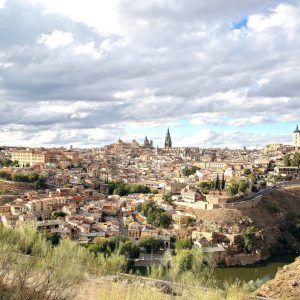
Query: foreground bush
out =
(31, 268)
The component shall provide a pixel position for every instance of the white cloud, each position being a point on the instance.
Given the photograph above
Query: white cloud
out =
(155, 63)
(6, 65)
(262, 82)
(125, 94)
(283, 17)
(201, 137)
(89, 49)
(205, 118)
(56, 39)
(101, 15)
(79, 115)
(2, 3)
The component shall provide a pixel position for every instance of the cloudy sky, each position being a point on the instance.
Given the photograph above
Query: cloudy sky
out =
(86, 72)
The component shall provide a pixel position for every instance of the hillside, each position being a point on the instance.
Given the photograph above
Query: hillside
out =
(275, 217)
(267, 213)
(285, 284)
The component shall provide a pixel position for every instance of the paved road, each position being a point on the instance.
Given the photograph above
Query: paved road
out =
(260, 193)
(267, 190)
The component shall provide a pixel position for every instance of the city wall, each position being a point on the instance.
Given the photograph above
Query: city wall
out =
(234, 205)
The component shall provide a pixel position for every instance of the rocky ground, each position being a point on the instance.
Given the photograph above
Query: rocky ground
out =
(286, 283)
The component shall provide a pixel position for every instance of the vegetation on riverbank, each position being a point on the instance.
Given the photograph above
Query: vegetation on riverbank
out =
(31, 267)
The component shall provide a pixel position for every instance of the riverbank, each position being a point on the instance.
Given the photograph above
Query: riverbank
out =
(261, 271)
(285, 284)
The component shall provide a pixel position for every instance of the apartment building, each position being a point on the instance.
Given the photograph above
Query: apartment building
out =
(30, 157)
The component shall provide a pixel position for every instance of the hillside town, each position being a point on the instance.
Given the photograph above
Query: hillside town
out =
(156, 197)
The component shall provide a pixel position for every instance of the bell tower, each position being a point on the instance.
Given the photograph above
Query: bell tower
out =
(296, 137)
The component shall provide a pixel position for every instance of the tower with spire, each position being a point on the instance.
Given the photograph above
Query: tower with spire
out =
(168, 140)
(296, 137)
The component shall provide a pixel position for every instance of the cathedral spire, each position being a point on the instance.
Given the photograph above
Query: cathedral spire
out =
(168, 140)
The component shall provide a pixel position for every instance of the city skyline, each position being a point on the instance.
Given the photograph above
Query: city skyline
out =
(84, 75)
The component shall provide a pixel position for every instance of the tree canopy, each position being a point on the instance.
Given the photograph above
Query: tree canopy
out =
(155, 216)
(123, 189)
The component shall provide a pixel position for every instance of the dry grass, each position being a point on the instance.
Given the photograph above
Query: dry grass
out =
(99, 289)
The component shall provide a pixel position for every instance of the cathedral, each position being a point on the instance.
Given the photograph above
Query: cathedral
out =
(147, 143)
(168, 140)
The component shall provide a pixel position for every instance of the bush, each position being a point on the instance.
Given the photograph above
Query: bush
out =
(50, 272)
(150, 243)
(183, 244)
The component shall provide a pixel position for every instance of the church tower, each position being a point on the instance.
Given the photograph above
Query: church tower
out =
(168, 140)
(296, 137)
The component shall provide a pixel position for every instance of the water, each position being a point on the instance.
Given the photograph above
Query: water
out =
(264, 270)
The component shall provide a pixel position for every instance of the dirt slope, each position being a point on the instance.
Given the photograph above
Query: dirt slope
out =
(286, 283)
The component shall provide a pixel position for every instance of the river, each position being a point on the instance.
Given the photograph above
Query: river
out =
(264, 270)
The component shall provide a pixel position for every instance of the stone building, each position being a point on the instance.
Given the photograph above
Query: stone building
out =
(296, 137)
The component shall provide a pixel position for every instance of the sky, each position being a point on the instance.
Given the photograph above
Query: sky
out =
(219, 73)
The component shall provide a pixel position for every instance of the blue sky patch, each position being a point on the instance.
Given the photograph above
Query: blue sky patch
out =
(240, 24)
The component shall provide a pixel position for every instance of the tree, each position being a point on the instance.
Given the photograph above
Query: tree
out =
(165, 220)
(168, 197)
(232, 188)
(188, 260)
(243, 185)
(53, 237)
(217, 183)
(183, 244)
(57, 214)
(120, 189)
(151, 244)
(223, 182)
(8, 163)
(40, 183)
(287, 160)
(247, 172)
(252, 178)
(154, 191)
(129, 250)
(205, 187)
(190, 171)
(5, 175)
(249, 234)
(295, 159)
(33, 177)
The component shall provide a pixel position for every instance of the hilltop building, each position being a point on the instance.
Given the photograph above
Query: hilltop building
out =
(296, 137)
(147, 143)
(29, 157)
(191, 152)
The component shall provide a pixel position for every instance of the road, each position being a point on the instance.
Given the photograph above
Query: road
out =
(267, 190)
(260, 193)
